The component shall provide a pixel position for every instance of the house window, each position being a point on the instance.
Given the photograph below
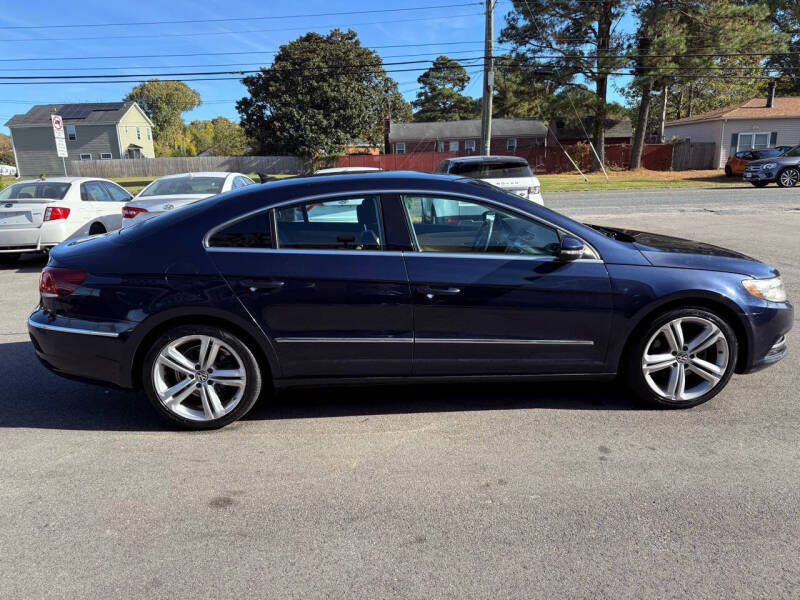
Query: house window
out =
(400, 148)
(469, 145)
(138, 133)
(756, 141)
(72, 135)
(105, 155)
(511, 144)
(441, 146)
(86, 157)
(454, 146)
(147, 129)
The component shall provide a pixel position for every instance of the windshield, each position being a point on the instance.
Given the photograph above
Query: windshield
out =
(174, 186)
(51, 190)
(793, 152)
(491, 170)
(766, 153)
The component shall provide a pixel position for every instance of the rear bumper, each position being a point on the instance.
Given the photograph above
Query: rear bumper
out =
(84, 350)
(33, 239)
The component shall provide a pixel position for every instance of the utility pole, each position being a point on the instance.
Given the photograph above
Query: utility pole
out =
(488, 80)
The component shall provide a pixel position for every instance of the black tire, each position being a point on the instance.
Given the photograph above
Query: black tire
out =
(96, 229)
(9, 259)
(632, 361)
(789, 177)
(760, 184)
(728, 171)
(252, 388)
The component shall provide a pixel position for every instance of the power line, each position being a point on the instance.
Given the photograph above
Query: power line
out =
(30, 59)
(231, 19)
(239, 33)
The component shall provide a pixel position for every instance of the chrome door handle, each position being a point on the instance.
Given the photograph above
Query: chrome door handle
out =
(261, 284)
(431, 292)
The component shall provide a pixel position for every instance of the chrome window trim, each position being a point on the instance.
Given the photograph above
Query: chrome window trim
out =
(399, 192)
(305, 251)
(109, 334)
(345, 340)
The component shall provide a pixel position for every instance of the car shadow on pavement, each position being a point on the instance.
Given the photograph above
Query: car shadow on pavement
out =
(35, 398)
(27, 264)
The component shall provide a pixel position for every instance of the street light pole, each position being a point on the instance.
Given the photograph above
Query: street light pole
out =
(488, 80)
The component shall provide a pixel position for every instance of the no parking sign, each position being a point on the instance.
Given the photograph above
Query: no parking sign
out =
(58, 134)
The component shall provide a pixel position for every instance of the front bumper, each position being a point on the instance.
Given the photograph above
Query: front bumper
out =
(768, 340)
(78, 349)
(758, 176)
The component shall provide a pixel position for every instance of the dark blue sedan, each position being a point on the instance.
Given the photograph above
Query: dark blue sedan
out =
(392, 277)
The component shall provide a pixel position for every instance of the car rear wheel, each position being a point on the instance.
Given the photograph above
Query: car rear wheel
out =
(788, 177)
(683, 358)
(8, 259)
(96, 229)
(760, 184)
(201, 377)
(728, 171)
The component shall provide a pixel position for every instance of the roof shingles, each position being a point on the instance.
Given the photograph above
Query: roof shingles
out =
(88, 113)
(751, 109)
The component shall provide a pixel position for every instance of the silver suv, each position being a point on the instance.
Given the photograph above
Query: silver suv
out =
(783, 170)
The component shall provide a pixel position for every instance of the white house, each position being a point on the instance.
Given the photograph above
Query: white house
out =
(757, 123)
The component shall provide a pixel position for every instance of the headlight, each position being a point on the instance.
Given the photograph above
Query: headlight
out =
(766, 289)
(768, 166)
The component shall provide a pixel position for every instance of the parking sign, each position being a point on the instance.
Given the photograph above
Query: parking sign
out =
(58, 134)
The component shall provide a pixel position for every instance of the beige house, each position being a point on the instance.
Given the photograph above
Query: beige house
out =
(94, 131)
(757, 123)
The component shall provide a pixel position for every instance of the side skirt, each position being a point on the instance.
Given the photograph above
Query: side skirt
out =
(412, 380)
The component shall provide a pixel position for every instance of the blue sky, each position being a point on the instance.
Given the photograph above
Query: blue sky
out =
(457, 32)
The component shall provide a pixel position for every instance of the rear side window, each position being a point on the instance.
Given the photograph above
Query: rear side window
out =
(252, 232)
(491, 170)
(342, 224)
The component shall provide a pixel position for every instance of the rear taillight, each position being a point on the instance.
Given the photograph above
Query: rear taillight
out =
(533, 190)
(56, 282)
(53, 213)
(129, 212)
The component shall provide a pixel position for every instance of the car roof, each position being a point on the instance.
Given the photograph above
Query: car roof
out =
(480, 159)
(61, 180)
(201, 174)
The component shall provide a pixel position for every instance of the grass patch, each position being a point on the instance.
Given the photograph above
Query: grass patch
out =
(635, 180)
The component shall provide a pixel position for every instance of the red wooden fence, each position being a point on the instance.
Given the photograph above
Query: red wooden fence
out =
(657, 157)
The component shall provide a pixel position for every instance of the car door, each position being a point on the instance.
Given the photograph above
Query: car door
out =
(318, 279)
(490, 296)
(96, 200)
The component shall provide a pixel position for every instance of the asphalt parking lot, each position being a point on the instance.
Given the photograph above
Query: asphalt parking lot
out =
(450, 491)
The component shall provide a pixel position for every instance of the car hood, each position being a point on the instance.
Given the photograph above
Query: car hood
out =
(667, 251)
(762, 161)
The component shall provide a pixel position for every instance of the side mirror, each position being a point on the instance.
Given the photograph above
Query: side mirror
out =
(571, 249)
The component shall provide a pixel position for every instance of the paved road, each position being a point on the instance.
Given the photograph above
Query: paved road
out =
(490, 491)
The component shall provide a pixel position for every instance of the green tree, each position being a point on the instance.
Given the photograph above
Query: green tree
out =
(519, 91)
(229, 138)
(164, 102)
(579, 34)
(440, 98)
(321, 92)
(202, 135)
(6, 151)
(786, 18)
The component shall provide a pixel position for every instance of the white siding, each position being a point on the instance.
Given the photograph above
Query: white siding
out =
(788, 130)
(704, 131)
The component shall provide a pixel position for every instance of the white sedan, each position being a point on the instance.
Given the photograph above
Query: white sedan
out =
(38, 214)
(173, 191)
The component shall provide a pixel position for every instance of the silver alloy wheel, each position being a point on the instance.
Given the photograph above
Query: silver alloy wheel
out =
(686, 358)
(790, 177)
(199, 377)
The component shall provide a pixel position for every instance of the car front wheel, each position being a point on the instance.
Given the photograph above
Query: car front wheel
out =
(728, 171)
(789, 177)
(201, 377)
(683, 358)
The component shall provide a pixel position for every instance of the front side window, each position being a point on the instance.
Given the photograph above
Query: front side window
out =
(72, 135)
(465, 226)
(342, 224)
(117, 193)
(252, 232)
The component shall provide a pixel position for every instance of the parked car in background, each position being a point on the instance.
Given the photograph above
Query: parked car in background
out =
(511, 173)
(8, 170)
(173, 191)
(429, 278)
(36, 215)
(736, 164)
(783, 169)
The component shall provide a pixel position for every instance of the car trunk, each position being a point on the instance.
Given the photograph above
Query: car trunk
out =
(515, 185)
(157, 204)
(23, 213)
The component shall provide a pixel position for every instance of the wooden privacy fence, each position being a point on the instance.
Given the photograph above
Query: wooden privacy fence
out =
(691, 155)
(154, 167)
(657, 157)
